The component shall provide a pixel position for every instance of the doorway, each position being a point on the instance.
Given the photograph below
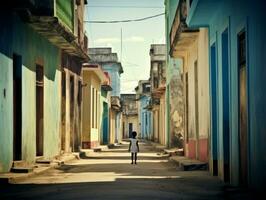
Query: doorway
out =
(72, 136)
(63, 111)
(130, 129)
(17, 107)
(243, 118)
(39, 110)
(214, 110)
(225, 93)
(105, 123)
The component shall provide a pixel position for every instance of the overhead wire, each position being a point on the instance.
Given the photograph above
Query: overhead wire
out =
(95, 6)
(124, 21)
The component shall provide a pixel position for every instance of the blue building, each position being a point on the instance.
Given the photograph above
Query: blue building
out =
(238, 95)
(145, 115)
(110, 64)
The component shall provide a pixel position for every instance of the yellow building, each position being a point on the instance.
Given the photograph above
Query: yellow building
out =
(93, 77)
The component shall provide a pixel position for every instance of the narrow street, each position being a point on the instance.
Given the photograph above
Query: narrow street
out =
(109, 175)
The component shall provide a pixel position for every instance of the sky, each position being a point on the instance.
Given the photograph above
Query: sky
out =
(136, 36)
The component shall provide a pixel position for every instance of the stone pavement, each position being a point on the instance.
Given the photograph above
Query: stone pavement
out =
(109, 175)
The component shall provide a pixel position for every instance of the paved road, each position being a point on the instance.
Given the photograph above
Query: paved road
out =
(109, 175)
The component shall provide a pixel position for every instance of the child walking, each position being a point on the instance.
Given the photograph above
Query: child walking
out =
(133, 147)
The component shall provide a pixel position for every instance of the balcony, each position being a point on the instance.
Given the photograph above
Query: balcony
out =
(53, 19)
(115, 103)
(180, 35)
(106, 85)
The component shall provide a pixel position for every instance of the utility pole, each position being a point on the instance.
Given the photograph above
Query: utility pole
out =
(121, 47)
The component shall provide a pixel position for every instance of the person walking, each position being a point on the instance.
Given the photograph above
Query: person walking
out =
(133, 147)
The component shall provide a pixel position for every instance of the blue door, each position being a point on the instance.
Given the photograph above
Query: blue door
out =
(105, 123)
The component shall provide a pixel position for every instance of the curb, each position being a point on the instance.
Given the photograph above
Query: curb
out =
(12, 178)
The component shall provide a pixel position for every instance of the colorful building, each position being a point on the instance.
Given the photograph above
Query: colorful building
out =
(237, 73)
(144, 114)
(130, 114)
(31, 43)
(71, 64)
(185, 49)
(110, 64)
(106, 106)
(93, 77)
(157, 82)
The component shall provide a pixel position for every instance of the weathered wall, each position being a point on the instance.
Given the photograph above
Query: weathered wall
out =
(162, 120)
(249, 16)
(27, 44)
(113, 70)
(155, 122)
(174, 67)
(176, 103)
(6, 111)
(91, 116)
(203, 94)
(130, 119)
(145, 118)
(112, 126)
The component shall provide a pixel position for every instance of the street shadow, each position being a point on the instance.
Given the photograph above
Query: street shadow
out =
(141, 169)
(100, 157)
(121, 188)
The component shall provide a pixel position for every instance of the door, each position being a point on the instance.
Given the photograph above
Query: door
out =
(17, 107)
(225, 93)
(63, 111)
(214, 110)
(39, 110)
(130, 129)
(72, 137)
(242, 71)
(105, 123)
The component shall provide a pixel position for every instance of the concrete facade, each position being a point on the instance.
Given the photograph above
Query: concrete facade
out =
(185, 48)
(144, 113)
(110, 64)
(236, 43)
(72, 16)
(31, 81)
(130, 114)
(158, 87)
(93, 77)
(26, 48)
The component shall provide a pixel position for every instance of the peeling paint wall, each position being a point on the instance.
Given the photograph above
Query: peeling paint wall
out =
(176, 103)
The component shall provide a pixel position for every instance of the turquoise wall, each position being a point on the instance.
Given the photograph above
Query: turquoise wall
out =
(6, 113)
(145, 118)
(249, 15)
(113, 71)
(19, 38)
